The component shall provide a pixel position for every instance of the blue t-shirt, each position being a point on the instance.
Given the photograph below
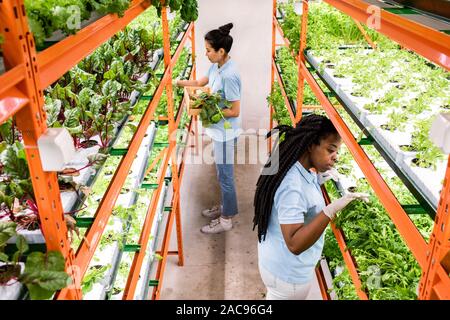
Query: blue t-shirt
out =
(298, 199)
(228, 80)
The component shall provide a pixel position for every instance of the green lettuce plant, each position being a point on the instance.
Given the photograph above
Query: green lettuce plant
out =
(44, 272)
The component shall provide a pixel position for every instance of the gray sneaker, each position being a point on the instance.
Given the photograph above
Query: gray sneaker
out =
(217, 226)
(212, 213)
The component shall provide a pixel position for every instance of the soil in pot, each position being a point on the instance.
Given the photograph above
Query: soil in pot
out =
(88, 144)
(344, 171)
(8, 272)
(66, 186)
(115, 290)
(27, 221)
(125, 191)
(387, 127)
(407, 148)
(431, 65)
(421, 163)
(96, 267)
(357, 94)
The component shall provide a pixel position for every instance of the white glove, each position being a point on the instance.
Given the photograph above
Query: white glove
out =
(323, 177)
(339, 204)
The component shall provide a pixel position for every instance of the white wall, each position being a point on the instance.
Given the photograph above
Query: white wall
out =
(252, 40)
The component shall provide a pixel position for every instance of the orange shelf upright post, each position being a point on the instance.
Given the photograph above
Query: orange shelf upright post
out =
(435, 281)
(346, 254)
(283, 92)
(169, 64)
(31, 121)
(12, 92)
(272, 72)
(194, 76)
(165, 248)
(301, 59)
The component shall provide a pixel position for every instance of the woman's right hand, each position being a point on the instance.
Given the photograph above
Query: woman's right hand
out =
(339, 204)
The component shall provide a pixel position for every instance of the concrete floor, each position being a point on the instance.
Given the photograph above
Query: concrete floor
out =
(221, 266)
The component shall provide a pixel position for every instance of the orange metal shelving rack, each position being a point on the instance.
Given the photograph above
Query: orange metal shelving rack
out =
(21, 96)
(433, 257)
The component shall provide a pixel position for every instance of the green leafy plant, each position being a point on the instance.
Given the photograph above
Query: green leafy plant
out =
(7, 230)
(109, 6)
(327, 27)
(44, 272)
(93, 275)
(374, 242)
(47, 16)
(427, 153)
(188, 8)
(397, 121)
(16, 191)
(210, 108)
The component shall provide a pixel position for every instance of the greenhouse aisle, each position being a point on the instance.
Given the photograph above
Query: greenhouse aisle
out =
(225, 266)
(222, 266)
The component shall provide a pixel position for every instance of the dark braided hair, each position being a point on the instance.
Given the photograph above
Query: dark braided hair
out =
(310, 130)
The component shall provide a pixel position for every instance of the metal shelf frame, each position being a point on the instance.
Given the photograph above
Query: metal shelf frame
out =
(433, 257)
(21, 96)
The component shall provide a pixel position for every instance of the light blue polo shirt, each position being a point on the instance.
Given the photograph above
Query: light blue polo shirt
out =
(227, 79)
(298, 199)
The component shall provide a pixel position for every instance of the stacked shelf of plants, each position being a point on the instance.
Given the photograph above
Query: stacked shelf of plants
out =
(388, 98)
(107, 102)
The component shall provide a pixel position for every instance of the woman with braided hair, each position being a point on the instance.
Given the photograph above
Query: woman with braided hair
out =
(290, 212)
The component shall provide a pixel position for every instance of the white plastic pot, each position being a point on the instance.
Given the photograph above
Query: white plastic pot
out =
(13, 289)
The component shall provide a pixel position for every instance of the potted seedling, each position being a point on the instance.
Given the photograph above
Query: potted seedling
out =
(397, 121)
(56, 19)
(44, 272)
(427, 153)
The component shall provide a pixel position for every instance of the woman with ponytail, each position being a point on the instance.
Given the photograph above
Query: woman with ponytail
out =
(290, 212)
(222, 77)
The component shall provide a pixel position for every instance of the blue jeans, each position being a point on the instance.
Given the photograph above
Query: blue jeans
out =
(224, 158)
